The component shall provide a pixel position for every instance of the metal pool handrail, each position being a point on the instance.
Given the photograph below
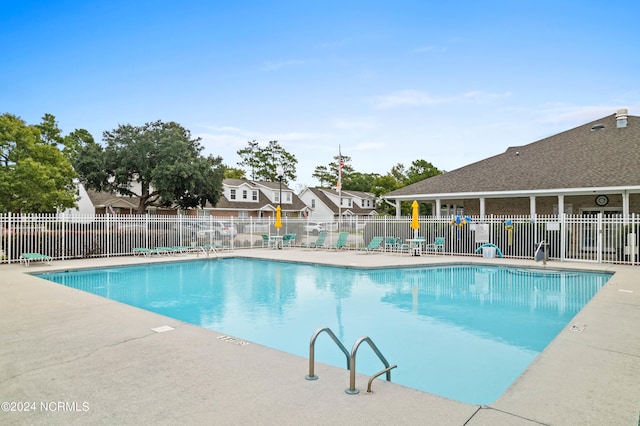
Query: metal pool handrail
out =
(352, 363)
(312, 344)
(351, 359)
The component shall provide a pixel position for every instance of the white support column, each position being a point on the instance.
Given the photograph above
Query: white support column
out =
(560, 205)
(398, 208)
(532, 206)
(482, 207)
(625, 204)
(438, 207)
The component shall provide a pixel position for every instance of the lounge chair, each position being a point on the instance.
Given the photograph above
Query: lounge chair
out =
(147, 251)
(25, 258)
(374, 245)
(341, 242)
(436, 247)
(319, 242)
(206, 249)
(171, 250)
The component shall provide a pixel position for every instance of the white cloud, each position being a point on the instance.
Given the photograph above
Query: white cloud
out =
(421, 98)
(574, 113)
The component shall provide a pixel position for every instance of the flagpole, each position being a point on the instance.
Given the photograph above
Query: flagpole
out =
(340, 166)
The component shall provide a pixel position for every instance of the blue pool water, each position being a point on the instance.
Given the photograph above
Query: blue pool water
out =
(462, 332)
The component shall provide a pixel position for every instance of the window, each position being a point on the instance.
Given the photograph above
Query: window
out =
(243, 214)
(288, 197)
(276, 197)
(244, 194)
(254, 195)
(313, 203)
(232, 194)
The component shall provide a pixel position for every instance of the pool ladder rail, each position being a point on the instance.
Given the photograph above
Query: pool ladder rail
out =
(351, 359)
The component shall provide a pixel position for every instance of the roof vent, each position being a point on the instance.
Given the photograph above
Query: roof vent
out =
(621, 118)
(597, 127)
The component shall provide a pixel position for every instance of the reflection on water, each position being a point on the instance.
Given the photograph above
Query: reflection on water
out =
(464, 332)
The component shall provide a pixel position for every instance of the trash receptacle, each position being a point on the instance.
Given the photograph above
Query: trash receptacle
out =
(542, 251)
(489, 252)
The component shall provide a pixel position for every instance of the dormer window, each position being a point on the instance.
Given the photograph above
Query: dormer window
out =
(232, 194)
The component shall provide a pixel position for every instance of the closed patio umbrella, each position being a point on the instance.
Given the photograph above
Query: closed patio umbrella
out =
(415, 225)
(278, 223)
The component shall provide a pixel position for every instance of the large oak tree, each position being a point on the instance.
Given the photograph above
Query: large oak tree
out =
(158, 162)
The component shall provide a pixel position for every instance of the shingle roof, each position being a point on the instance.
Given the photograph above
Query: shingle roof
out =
(321, 193)
(578, 158)
(296, 204)
(105, 199)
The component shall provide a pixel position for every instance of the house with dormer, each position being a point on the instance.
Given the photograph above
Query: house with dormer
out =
(246, 199)
(589, 170)
(326, 203)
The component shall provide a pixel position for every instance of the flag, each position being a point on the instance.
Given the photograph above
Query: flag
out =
(111, 210)
(340, 167)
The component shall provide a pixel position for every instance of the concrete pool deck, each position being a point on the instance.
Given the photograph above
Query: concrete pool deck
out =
(69, 357)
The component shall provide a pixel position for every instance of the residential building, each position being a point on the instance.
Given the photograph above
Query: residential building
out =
(593, 168)
(249, 199)
(328, 203)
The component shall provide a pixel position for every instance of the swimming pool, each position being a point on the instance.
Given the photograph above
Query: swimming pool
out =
(462, 332)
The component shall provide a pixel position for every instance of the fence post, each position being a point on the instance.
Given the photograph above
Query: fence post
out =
(9, 242)
(563, 236)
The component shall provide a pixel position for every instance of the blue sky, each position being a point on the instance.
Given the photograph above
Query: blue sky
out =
(389, 81)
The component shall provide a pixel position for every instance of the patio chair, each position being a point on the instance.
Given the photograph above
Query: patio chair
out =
(266, 241)
(25, 258)
(401, 246)
(288, 240)
(374, 245)
(436, 247)
(341, 242)
(390, 244)
(319, 242)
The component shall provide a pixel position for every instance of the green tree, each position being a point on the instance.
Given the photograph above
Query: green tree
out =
(329, 174)
(324, 176)
(264, 163)
(398, 173)
(35, 176)
(89, 161)
(158, 162)
(251, 158)
(233, 173)
(356, 181)
(420, 170)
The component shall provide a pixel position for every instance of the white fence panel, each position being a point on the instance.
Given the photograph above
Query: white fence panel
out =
(601, 239)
